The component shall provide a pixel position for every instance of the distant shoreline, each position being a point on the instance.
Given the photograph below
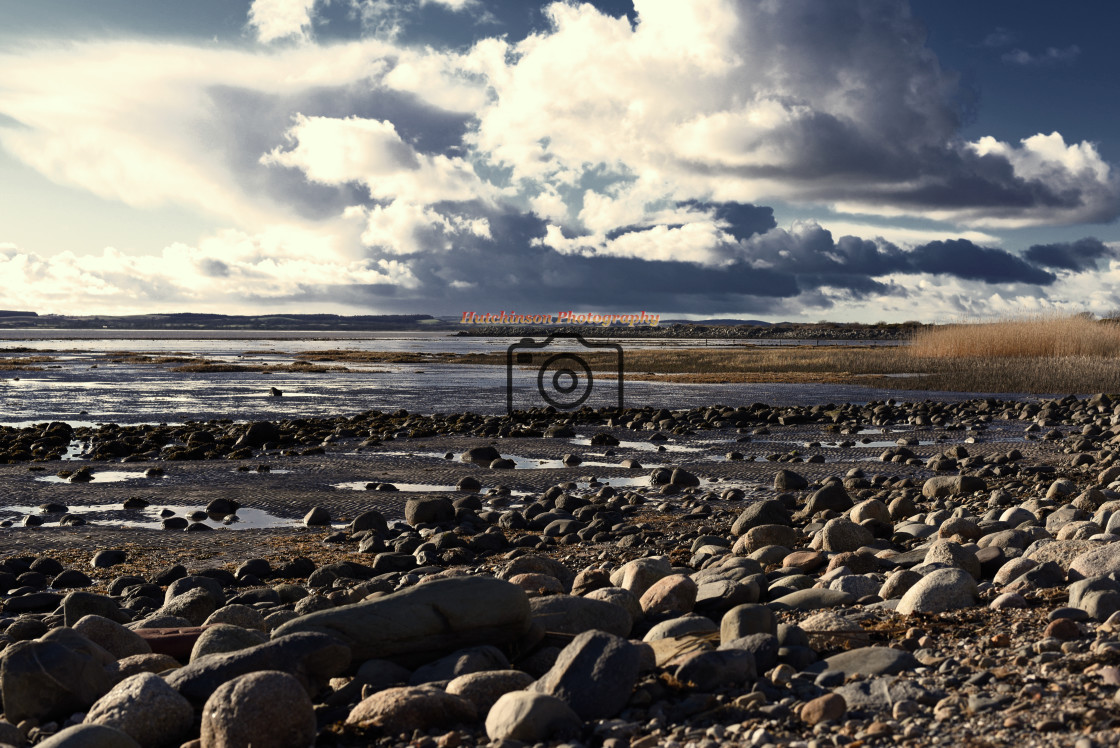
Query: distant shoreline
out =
(330, 324)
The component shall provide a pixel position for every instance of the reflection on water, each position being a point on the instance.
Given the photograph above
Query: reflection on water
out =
(360, 485)
(646, 446)
(103, 476)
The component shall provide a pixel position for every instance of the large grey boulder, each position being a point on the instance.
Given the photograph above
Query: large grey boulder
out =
(841, 534)
(830, 496)
(428, 510)
(472, 660)
(640, 574)
(1098, 562)
(223, 637)
(482, 455)
(744, 620)
(568, 614)
(112, 636)
(147, 709)
(814, 598)
(939, 591)
(195, 605)
(424, 622)
(955, 555)
(1098, 596)
(89, 736)
(787, 480)
(261, 708)
(711, 669)
(531, 717)
(769, 512)
(52, 677)
(872, 661)
(484, 688)
(404, 710)
(594, 675)
(313, 658)
(943, 486)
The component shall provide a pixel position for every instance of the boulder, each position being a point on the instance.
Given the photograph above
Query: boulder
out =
(594, 675)
(260, 708)
(568, 614)
(939, 591)
(145, 708)
(421, 623)
(403, 710)
(52, 677)
(313, 658)
(531, 717)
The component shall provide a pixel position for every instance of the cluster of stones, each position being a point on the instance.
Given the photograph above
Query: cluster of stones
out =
(461, 627)
(226, 439)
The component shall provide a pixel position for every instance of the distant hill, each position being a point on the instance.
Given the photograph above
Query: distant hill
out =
(195, 321)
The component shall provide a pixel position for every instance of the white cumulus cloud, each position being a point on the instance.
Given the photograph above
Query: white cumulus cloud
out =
(281, 19)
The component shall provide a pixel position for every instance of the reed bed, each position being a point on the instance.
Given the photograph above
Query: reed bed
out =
(1030, 337)
(1040, 354)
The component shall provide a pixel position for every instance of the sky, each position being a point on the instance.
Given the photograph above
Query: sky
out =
(848, 160)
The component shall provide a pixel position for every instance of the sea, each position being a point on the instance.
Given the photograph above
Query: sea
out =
(82, 386)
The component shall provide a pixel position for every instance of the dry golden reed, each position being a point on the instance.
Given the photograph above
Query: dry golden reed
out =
(1047, 336)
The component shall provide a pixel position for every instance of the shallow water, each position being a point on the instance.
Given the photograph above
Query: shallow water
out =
(103, 476)
(360, 485)
(82, 393)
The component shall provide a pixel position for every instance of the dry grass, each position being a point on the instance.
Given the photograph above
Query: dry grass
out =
(25, 363)
(1029, 337)
(139, 358)
(379, 357)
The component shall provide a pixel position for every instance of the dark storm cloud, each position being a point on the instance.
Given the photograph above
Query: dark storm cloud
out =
(1078, 256)
(834, 160)
(739, 220)
(512, 267)
(963, 259)
(852, 263)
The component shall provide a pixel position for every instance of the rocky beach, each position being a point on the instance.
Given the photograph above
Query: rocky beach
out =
(886, 573)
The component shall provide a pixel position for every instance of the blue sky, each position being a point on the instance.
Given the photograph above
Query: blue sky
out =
(848, 160)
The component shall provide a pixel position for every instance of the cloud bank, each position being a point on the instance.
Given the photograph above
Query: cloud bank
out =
(606, 160)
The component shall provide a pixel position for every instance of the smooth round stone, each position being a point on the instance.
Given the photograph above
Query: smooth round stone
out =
(262, 708)
(940, 590)
(1074, 614)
